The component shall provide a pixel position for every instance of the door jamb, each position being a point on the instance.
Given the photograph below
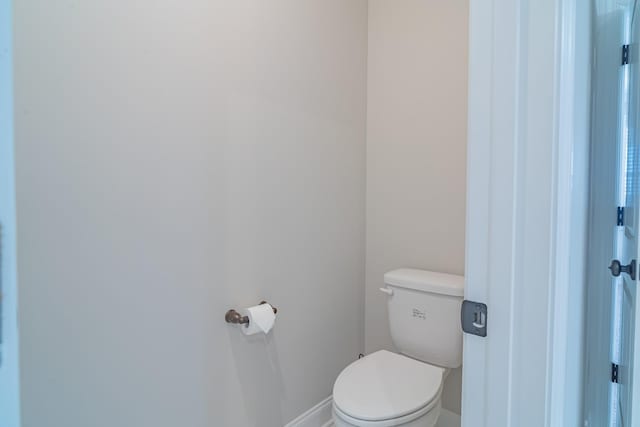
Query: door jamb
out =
(526, 164)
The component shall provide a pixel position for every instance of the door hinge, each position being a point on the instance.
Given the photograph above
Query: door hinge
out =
(614, 373)
(620, 216)
(625, 54)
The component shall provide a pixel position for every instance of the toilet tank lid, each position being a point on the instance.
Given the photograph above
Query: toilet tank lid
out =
(426, 281)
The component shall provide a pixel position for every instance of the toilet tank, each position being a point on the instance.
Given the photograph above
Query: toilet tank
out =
(424, 315)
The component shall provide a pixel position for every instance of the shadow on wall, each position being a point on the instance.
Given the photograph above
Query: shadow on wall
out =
(260, 377)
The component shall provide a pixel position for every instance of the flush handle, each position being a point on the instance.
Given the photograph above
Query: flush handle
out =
(387, 291)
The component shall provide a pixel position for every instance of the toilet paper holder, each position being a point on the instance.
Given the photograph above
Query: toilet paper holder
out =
(233, 316)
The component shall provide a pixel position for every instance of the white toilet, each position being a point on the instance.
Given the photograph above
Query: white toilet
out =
(387, 389)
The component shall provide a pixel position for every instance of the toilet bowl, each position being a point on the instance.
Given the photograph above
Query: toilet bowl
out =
(386, 389)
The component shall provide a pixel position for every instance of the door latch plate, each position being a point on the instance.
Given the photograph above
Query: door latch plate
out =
(474, 318)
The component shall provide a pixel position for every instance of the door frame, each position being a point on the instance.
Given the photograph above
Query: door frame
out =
(9, 367)
(528, 141)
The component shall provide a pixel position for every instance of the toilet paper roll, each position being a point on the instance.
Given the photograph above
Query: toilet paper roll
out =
(261, 319)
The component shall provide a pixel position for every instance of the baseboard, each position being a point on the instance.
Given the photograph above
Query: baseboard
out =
(318, 416)
(448, 419)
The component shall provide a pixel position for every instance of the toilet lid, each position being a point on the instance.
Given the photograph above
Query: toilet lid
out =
(386, 385)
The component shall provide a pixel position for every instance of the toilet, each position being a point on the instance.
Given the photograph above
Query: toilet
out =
(385, 389)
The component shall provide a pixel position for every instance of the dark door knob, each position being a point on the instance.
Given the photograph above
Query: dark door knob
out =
(617, 268)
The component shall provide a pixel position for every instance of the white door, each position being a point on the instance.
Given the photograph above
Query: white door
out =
(611, 295)
(610, 303)
(628, 376)
(511, 137)
(626, 253)
(606, 195)
(521, 213)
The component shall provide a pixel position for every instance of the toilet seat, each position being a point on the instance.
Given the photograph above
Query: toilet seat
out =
(431, 413)
(386, 389)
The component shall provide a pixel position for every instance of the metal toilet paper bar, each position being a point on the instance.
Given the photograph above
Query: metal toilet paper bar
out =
(233, 316)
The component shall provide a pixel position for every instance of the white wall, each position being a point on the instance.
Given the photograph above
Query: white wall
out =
(177, 159)
(416, 149)
(9, 384)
